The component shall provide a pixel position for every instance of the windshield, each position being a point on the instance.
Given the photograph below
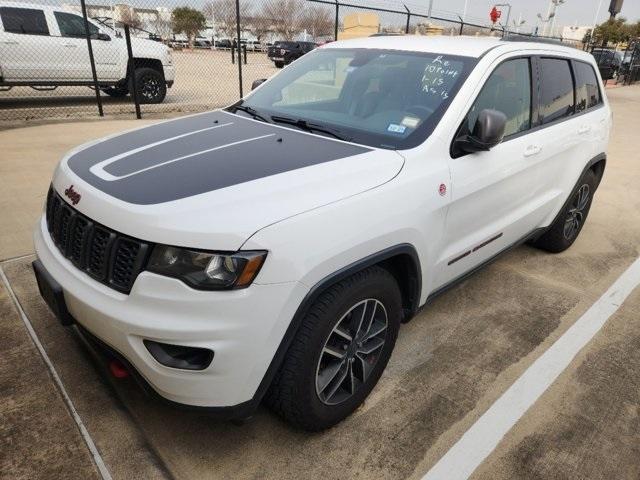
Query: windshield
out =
(382, 98)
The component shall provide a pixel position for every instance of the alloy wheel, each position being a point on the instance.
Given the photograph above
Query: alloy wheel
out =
(575, 215)
(150, 88)
(351, 351)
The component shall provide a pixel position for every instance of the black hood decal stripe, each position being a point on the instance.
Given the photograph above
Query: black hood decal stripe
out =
(99, 169)
(109, 177)
(199, 154)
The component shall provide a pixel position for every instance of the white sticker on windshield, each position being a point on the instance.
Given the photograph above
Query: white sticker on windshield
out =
(395, 128)
(411, 122)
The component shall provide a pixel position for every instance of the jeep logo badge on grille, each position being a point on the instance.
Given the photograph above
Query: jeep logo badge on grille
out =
(72, 195)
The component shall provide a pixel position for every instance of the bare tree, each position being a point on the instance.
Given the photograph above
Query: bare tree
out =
(285, 15)
(130, 17)
(260, 25)
(224, 14)
(162, 27)
(317, 21)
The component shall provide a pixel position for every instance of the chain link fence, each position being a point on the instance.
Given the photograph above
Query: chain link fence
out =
(71, 59)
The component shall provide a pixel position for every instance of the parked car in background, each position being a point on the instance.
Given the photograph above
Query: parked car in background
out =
(272, 250)
(223, 44)
(283, 53)
(254, 46)
(609, 61)
(202, 43)
(42, 46)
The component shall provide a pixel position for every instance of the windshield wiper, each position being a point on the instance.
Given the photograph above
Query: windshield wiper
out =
(251, 111)
(311, 127)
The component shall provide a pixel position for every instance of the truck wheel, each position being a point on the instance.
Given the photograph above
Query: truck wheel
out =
(279, 64)
(339, 352)
(569, 222)
(116, 92)
(151, 85)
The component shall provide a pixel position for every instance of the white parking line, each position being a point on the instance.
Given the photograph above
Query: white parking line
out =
(102, 468)
(481, 439)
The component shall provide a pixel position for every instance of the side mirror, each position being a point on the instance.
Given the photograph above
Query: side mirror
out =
(487, 132)
(103, 36)
(257, 83)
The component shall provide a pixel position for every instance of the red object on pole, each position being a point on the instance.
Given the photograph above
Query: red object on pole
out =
(494, 14)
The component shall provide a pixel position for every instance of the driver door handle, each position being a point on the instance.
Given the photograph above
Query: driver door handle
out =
(9, 42)
(532, 150)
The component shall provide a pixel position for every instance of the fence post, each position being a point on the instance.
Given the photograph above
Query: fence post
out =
(244, 51)
(91, 59)
(337, 21)
(132, 71)
(233, 53)
(461, 25)
(406, 28)
(238, 44)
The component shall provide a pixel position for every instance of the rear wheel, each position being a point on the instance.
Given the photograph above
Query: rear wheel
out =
(567, 226)
(150, 85)
(279, 64)
(339, 352)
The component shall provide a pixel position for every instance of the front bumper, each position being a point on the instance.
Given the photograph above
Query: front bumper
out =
(243, 327)
(169, 74)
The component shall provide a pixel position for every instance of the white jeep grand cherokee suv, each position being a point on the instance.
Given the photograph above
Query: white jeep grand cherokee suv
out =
(46, 47)
(272, 250)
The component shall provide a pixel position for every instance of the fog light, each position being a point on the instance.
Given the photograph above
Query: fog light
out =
(180, 356)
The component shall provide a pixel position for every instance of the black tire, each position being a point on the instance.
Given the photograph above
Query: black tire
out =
(116, 92)
(294, 393)
(561, 234)
(151, 85)
(279, 64)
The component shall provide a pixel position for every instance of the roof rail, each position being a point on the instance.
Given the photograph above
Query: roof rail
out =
(514, 37)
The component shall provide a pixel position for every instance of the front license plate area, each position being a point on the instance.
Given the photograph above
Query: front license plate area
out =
(51, 292)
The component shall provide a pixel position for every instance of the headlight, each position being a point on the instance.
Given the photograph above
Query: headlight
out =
(207, 270)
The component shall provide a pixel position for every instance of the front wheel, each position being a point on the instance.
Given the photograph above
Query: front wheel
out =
(568, 224)
(150, 85)
(279, 64)
(339, 352)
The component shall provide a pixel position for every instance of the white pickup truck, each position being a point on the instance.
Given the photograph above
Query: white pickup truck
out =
(43, 46)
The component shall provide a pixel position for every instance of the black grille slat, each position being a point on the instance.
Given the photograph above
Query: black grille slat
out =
(109, 257)
(78, 241)
(125, 260)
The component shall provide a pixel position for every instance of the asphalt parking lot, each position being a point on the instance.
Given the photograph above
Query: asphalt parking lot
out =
(450, 365)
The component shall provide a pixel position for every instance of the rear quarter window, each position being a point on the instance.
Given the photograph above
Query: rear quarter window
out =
(587, 87)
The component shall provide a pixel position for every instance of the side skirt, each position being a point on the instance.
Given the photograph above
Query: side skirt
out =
(456, 281)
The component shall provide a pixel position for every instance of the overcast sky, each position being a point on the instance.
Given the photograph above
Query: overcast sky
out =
(571, 12)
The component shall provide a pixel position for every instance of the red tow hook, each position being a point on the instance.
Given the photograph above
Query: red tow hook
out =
(117, 369)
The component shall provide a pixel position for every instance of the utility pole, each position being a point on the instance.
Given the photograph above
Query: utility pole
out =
(595, 20)
(508, 5)
(430, 10)
(551, 15)
(464, 11)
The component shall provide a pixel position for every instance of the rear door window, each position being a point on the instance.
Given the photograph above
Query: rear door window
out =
(27, 21)
(587, 87)
(556, 95)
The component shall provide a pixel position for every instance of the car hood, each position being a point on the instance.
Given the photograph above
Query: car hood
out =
(212, 180)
